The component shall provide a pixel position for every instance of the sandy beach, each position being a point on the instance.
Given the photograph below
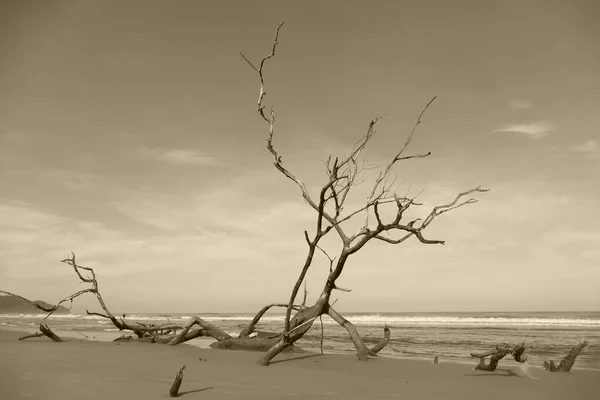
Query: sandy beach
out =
(78, 369)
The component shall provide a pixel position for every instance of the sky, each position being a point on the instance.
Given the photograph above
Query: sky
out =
(129, 135)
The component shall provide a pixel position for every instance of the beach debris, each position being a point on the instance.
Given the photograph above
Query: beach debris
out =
(497, 354)
(33, 335)
(321, 319)
(123, 338)
(44, 331)
(567, 362)
(174, 391)
(435, 359)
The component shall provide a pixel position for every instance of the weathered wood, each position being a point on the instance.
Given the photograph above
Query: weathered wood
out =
(174, 391)
(45, 329)
(567, 362)
(33, 335)
(384, 341)
(207, 329)
(252, 325)
(499, 353)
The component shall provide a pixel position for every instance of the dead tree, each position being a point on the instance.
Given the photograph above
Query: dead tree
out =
(342, 175)
(567, 362)
(499, 353)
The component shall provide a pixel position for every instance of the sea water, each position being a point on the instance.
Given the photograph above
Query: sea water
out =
(450, 336)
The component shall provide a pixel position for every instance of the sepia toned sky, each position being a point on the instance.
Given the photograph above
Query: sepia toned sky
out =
(129, 135)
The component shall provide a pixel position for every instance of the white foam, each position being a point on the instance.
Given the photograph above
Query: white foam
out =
(373, 320)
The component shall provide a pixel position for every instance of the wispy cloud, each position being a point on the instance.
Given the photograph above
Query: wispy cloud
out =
(181, 157)
(535, 130)
(72, 179)
(520, 104)
(591, 149)
(21, 215)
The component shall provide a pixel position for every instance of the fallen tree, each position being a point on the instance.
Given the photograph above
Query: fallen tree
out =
(499, 353)
(171, 334)
(343, 174)
(567, 362)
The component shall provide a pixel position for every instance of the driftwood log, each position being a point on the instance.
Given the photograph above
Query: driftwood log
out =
(499, 353)
(44, 331)
(567, 362)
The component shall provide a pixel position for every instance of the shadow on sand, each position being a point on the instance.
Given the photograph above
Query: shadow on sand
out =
(194, 391)
(509, 374)
(296, 358)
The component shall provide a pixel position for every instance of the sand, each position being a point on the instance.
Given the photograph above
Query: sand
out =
(78, 369)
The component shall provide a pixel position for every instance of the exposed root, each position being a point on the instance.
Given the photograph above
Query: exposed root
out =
(497, 354)
(567, 362)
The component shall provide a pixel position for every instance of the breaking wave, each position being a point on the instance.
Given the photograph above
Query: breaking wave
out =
(366, 319)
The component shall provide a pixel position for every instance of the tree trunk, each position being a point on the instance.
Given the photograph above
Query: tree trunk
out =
(567, 362)
(299, 325)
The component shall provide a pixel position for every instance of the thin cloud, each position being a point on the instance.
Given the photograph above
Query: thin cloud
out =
(535, 130)
(181, 157)
(591, 149)
(24, 216)
(73, 180)
(520, 104)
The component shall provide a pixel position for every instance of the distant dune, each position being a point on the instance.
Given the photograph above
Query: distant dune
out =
(14, 305)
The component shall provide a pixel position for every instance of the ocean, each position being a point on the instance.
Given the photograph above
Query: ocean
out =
(450, 336)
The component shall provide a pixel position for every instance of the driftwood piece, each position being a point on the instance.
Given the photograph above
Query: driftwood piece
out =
(174, 391)
(567, 362)
(37, 334)
(499, 353)
(44, 331)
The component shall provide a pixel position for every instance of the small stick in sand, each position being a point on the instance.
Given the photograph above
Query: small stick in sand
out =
(174, 392)
(321, 319)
